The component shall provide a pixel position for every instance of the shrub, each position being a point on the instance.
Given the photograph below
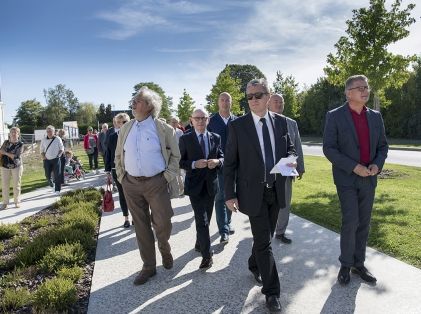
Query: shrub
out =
(63, 255)
(55, 294)
(8, 230)
(1, 248)
(12, 278)
(73, 273)
(43, 222)
(14, 299)
(82, 218)
(19, 240)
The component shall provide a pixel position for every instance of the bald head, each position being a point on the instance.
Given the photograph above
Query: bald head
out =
(276, 103)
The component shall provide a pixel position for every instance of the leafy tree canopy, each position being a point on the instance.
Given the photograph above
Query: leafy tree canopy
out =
(165, 109)
(185, 107)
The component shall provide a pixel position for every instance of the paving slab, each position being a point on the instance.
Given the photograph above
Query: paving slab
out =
(307, 270)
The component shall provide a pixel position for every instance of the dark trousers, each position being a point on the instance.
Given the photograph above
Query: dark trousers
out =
(202, 207)
(93, 159)
(53, 165)
(122, 198)
(62, 163)
(263, 228)
(356, 206)
(223, 214)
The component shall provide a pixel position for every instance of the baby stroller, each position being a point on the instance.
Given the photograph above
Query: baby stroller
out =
(75, 170)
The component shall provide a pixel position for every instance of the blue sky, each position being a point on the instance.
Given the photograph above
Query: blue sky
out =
(101, 49)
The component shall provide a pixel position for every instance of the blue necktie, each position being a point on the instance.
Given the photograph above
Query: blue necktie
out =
(202, 145)
(269, 162)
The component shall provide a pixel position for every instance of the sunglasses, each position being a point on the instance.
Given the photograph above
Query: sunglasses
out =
(199, 118)
(256, 95)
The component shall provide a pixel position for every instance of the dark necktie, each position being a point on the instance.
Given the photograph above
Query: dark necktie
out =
(269, 162)
(202, 145)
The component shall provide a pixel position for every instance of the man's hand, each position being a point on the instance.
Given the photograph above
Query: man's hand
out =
(362, 171)
(213, 163)
(374, 170)
(201, 163)
(232, 204)
(300, 175)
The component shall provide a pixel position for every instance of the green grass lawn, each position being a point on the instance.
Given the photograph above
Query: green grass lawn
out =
(33, 171)
(396, 218)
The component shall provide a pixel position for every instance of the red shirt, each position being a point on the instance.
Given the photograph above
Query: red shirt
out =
(363, 134)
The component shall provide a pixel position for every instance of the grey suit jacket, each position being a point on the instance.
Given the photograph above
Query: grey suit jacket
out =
(341, 146)
(294, 134)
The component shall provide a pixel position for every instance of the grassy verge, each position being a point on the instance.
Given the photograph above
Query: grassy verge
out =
(396, 218)
(46, 260)
(33, 171)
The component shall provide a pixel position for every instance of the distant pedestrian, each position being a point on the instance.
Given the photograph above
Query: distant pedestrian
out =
(355, 143)
(12, 166)
(62, 134)
(90, 144)
(102, 148)
(51, 149)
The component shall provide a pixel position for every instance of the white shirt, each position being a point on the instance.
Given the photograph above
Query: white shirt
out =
(142, 150)
(258, 124)
(54, 148)
(225, 119)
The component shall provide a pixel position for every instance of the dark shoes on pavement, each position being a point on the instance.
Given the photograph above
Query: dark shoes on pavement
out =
(167, 261)
(283, 238)
(206, 263)
(364, 274)
(126, 224)
(257, 276)
(273, 304)
(343, 275)
(224, 238)
(144, 276)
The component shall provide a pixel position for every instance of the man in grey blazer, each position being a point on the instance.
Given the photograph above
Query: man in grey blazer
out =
(276, 104)
(355, 143)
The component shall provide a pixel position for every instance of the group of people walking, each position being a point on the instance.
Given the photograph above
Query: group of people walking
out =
(227, 162)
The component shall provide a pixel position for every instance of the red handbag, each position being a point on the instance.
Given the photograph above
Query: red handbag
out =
(107, 201)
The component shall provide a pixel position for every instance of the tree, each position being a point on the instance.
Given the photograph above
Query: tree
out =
(288, 88)
(370, 31)
(100, 115)
(245, 73)
(225, 83)
(86, 114)
(29, 116)
(165, 109)
(61, 104)
(109, 113)
(185, 107)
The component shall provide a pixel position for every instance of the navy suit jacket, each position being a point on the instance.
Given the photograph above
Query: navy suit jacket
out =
(110, 151)
(341, 146)
(218, 126)
(191, 151)
(244, 167)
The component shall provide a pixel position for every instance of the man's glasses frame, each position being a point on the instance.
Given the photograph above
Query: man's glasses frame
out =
(255, 95)
(361, 88)
(199, 118)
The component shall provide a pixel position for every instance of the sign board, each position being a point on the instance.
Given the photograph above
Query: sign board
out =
(72, 130)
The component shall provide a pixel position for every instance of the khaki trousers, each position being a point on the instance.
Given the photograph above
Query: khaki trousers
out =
(141, 194)
(16, 175)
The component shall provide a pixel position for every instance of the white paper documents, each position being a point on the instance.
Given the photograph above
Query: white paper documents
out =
(282, 168)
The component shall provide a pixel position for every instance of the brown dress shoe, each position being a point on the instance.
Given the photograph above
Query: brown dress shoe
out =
(144, 276)
(167, 261)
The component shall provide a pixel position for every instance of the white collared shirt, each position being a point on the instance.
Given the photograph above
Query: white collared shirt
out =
(226, 120)
(142, 150)
(258, 124)
(54, 149)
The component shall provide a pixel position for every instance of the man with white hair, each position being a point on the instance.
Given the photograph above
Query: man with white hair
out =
(147, 165)
(201, 157)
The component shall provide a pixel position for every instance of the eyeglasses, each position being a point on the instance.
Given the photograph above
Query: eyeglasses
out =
(361, 88)
(257, 95)
(199, 118)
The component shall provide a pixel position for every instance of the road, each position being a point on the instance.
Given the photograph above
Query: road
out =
(400, 157)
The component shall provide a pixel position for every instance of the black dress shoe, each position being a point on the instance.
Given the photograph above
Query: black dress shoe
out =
(363, 273)
(273, 304)
(343, 275)
(257, 276)
(206, 263)
(224, 238)
(283, 238)
(126, 224)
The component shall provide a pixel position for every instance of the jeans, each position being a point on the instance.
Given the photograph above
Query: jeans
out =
(223, 214)
(93, 159)
(53, 165)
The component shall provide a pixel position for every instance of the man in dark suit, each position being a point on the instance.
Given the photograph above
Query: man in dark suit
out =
(201, 156)
(218, 123)
(354, 141)
(257, 141)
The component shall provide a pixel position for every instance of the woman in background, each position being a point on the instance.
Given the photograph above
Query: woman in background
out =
(90, 144)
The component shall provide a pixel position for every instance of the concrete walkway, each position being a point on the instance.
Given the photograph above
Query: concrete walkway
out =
(307, 270)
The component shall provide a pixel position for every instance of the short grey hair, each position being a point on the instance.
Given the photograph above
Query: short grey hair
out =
(105, 125)
(50, 127)
(200, 110)
(122, 116)
(261, 81)
(151, 98)
(350, 80)
(225, 93)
